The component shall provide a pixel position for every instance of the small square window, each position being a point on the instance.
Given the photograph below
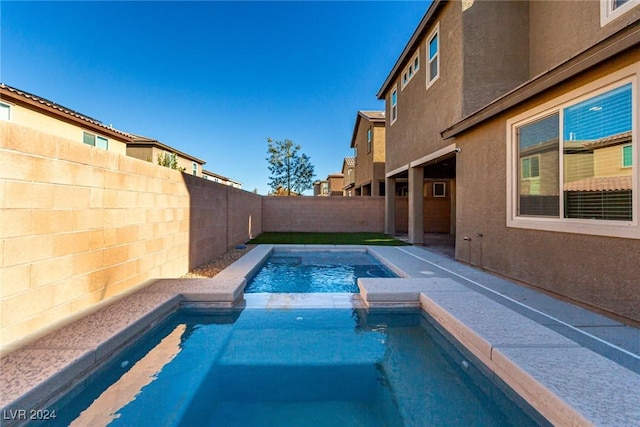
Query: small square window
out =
(89, 139)
(627, 159)
(5, 111)
(439, 189)
(102, 143)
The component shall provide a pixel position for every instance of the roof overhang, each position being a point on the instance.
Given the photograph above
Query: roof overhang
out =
(141, 141)
(411, 46)
(363, 115)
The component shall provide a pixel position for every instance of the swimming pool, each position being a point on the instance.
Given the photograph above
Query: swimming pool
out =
(304, 271)
(261, 367)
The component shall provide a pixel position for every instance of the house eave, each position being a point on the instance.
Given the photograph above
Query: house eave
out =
(411, 47)
(141, 142)
(50, 108)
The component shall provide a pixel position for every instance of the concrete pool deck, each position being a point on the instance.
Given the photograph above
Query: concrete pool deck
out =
(574, 366)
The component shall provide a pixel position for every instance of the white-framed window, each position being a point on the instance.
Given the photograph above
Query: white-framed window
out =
(433, 55)
(530, 167)
(194, 168)
(5, 111)
(411, 69)
(439, 189)
(95, 140)
(369, 138)
(571, 161)
(613, 9)
(627, 156)
(394, 105)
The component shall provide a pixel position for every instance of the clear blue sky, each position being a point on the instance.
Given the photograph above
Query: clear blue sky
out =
(213, 79)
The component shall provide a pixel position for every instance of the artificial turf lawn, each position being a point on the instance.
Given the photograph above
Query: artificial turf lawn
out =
(328, 239)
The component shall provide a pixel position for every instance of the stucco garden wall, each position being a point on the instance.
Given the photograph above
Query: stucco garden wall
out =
(79, 225)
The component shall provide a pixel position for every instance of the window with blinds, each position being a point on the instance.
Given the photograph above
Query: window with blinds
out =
(584, 152)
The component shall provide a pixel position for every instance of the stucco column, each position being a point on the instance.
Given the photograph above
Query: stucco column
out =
(390, 206)
(416, 206)
(375, 188)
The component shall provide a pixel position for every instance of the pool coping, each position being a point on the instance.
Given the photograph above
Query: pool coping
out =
(564, 381)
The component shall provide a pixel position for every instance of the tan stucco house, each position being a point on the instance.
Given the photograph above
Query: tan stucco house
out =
(368, 143)
(34, 112)
(348, 173)
(331, 186)
(151, 150)
(527, 113)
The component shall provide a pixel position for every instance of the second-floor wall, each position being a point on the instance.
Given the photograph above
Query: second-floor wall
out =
(35, 113)
(368, 143)
(466, 54)
(558, 30)
(154, 151)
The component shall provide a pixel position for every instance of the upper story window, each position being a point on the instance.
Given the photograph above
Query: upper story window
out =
(5, 111)
(369, 139)
(613, 9)
(433, 48)
(572, 163)
(627, 156)
(411, 69)
(194, 167)
(95, 140)
(394, 105)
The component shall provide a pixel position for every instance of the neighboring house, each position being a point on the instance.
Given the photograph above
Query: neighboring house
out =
(332, 186)
(321, 187)
(25, 109)
(368, 143)
(348, 166)
(151, 150)
(523, 116)
(211, 176)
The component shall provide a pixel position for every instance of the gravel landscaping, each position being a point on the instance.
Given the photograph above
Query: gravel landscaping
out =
(218, 264)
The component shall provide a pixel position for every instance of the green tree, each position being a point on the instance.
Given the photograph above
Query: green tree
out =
(170, 161)
(289, 170)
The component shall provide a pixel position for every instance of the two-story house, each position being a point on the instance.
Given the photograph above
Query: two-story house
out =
(527, 111)
(368, 143)
(34, 112)
(348, 172)
(152, 150)
(331, 186)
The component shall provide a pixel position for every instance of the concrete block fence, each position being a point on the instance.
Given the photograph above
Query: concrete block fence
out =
(80, 226)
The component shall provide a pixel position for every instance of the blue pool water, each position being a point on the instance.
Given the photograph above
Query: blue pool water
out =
(317, 271)
(338, 367)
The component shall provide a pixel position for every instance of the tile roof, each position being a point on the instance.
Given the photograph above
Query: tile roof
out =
(150, 142)
(50, 105)
(350, 161)
(602, 183)
(372, 115)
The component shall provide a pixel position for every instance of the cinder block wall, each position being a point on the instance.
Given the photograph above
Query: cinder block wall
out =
(79, 225)
(323, 214)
